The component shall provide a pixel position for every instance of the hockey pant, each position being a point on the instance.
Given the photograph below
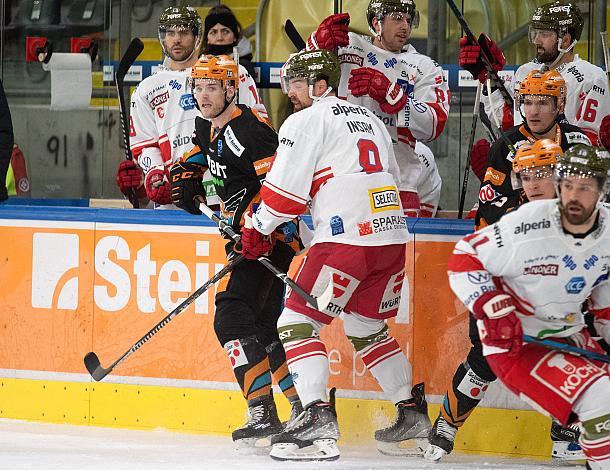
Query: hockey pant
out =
(308, 360)
(470, 382)
(568, 388)
(248, 304)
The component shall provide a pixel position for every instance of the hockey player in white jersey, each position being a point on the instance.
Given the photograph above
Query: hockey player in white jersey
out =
(336, 158)
(554, 30)
(163, 111)
(404, 88)
(534, 269)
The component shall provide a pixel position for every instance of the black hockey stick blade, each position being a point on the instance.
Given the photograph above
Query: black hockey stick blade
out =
(135, 48)
(294, 35)
(92, 363)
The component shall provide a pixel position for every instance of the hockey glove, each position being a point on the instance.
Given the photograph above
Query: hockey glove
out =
(502, 327)
(129, 176)
(331, 34)
(478, 159)
(470, 57)
(157, 185)
(253, 243)
(604, 132)
(187, 186)
(368, 81)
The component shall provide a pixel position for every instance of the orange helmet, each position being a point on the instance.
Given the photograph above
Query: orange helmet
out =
(220, 67)
(543, 152)
(549, 83)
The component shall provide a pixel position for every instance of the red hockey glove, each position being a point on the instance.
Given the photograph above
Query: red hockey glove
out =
(604, 132)
(470, 57)
(253, 243)
(369, 81)
(331, 34)
(158, 188)
(502, 327)
(129, 177)
(478, 159)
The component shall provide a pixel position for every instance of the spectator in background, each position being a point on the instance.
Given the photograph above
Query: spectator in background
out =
(6, 142)
(222, 32)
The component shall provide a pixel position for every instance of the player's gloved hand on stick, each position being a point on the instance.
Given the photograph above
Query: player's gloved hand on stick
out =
(129, 177)
(470, 57)
(478, 158)
(331, 34)
(187, 186)
(502, 327)
(253, 243)
(368, 81)
(157, 185)
(604, 132)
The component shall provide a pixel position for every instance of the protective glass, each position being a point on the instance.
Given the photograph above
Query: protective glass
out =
(544, 34)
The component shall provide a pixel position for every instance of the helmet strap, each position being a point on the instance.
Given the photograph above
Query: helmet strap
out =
(323, 95)
(561, 51)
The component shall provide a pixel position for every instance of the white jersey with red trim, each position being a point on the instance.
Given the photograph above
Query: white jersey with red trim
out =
(430, 183)
(425, 114)
(337, 159)
(548, 273)
(588, 96)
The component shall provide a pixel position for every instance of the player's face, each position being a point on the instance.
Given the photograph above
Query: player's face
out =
(579, 198)
(179, 43)
(545, 41)
(395, 30)
(538, 183)
(210, 96)
(540, 112)
(298, 94)
(220, 35)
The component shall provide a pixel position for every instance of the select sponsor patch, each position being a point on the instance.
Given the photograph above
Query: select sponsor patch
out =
(384, 199)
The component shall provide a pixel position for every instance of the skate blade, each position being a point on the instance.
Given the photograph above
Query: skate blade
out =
(409, 448)
(322, 449)
(565, 451)
(253, 446)
(434, 453)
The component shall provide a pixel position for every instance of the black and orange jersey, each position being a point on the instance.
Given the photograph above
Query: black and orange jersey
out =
(497, 195)
(239, 155)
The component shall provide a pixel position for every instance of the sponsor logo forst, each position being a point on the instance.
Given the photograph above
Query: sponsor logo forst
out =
(123, 273)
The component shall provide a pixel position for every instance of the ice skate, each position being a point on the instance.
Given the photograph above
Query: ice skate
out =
(296, 408)
(312, 436)
(411, 424)
(440, 439)
(565, 442)
(263, 422)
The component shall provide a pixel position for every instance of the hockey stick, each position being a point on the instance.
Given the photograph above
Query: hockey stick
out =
(92, 362)
(319, 303)
(294, 35)
(473, 129)
(136, 46)
(567, 348)
(604, 35)
(485, 54)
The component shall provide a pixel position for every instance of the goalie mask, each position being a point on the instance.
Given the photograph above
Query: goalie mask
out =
(560, 17)
(586, 161)
(181, 19)
(536, 160)
(312, 66)
(380, 8)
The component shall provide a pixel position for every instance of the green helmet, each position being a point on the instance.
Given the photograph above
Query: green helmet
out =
(379, 8)
(560, 16)
(180, 18)
(313, 66)
(585, 161)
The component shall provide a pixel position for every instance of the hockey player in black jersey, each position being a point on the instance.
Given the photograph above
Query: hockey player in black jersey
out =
(237, 145)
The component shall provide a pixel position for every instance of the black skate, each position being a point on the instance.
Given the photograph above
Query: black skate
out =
(263, 422)
(411, 423)
(565, 442)
(295, 411)
(440, 439)
(312, 436)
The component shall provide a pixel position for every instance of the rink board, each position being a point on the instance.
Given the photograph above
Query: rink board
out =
(78, 279)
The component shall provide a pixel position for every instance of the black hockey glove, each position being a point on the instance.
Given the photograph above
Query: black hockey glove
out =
(186, 179)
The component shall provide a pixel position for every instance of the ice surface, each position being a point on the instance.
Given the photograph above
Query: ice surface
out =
(42, 446)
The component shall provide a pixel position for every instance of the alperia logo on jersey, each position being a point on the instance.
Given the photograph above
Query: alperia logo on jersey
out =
(526, 226)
